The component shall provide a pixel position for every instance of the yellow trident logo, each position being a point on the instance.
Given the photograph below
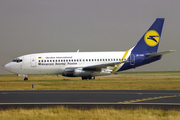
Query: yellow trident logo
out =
(151, 38)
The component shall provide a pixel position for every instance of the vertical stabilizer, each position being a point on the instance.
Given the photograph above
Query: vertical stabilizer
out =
(150, 40)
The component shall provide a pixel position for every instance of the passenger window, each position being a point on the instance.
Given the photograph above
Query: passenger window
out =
(47, 60)
(44, 60)
(41, 60)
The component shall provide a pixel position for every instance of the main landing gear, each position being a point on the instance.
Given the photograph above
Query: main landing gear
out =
(25, 79)
(89, 77)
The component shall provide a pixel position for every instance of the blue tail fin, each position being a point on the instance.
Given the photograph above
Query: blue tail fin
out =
(150, 41)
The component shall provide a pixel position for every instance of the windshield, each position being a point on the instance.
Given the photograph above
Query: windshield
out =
(17, 60)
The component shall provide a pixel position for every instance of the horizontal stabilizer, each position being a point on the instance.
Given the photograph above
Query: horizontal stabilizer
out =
(160, 53)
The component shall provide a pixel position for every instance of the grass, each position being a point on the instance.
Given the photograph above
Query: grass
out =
(122, 81)
(62, 113)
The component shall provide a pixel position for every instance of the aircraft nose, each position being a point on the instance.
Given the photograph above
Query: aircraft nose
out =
(7, 67)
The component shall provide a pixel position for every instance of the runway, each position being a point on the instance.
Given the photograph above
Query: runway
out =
(88, 98)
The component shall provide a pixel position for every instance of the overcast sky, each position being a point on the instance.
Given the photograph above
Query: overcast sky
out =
(34, 26)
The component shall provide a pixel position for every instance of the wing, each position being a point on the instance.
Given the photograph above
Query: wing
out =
(95, 67)
(100, 66)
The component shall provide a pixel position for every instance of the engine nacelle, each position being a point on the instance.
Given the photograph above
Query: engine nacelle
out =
(78, 72)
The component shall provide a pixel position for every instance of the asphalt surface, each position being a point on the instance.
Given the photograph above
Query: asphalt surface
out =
(123, 98)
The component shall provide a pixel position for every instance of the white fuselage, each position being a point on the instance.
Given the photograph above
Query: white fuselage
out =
(56, 63)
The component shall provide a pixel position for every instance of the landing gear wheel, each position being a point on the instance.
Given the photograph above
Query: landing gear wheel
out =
(89, 77)
(25, 79)
(84, 78)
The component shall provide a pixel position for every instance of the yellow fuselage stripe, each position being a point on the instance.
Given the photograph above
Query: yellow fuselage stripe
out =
(121, 60)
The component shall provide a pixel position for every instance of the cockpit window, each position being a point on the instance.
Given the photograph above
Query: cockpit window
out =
(17, 60)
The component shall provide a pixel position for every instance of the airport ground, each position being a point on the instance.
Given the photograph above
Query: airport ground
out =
(122, 81)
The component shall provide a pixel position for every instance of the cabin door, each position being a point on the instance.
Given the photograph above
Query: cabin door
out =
(33, 61)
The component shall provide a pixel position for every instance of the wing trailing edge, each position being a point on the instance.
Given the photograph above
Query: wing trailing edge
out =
(98, 67)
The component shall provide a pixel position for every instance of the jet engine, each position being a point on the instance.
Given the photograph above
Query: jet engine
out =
(77, 72)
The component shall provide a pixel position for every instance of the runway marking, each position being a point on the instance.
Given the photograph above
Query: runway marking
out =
(150, 98)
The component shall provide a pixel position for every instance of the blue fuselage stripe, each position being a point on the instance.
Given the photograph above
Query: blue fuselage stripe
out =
(139, 60)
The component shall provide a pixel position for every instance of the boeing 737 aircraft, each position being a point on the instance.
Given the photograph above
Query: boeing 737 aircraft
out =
(87, 65)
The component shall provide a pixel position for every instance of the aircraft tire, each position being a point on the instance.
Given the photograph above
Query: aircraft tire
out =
(25, 79)
(84, 78)
(89, 77)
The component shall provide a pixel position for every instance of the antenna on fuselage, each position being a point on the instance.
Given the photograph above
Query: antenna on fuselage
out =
(77, 50)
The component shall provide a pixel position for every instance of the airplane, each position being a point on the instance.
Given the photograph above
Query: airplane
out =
(87, 65)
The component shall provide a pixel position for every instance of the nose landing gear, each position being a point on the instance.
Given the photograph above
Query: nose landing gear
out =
(22, 75)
